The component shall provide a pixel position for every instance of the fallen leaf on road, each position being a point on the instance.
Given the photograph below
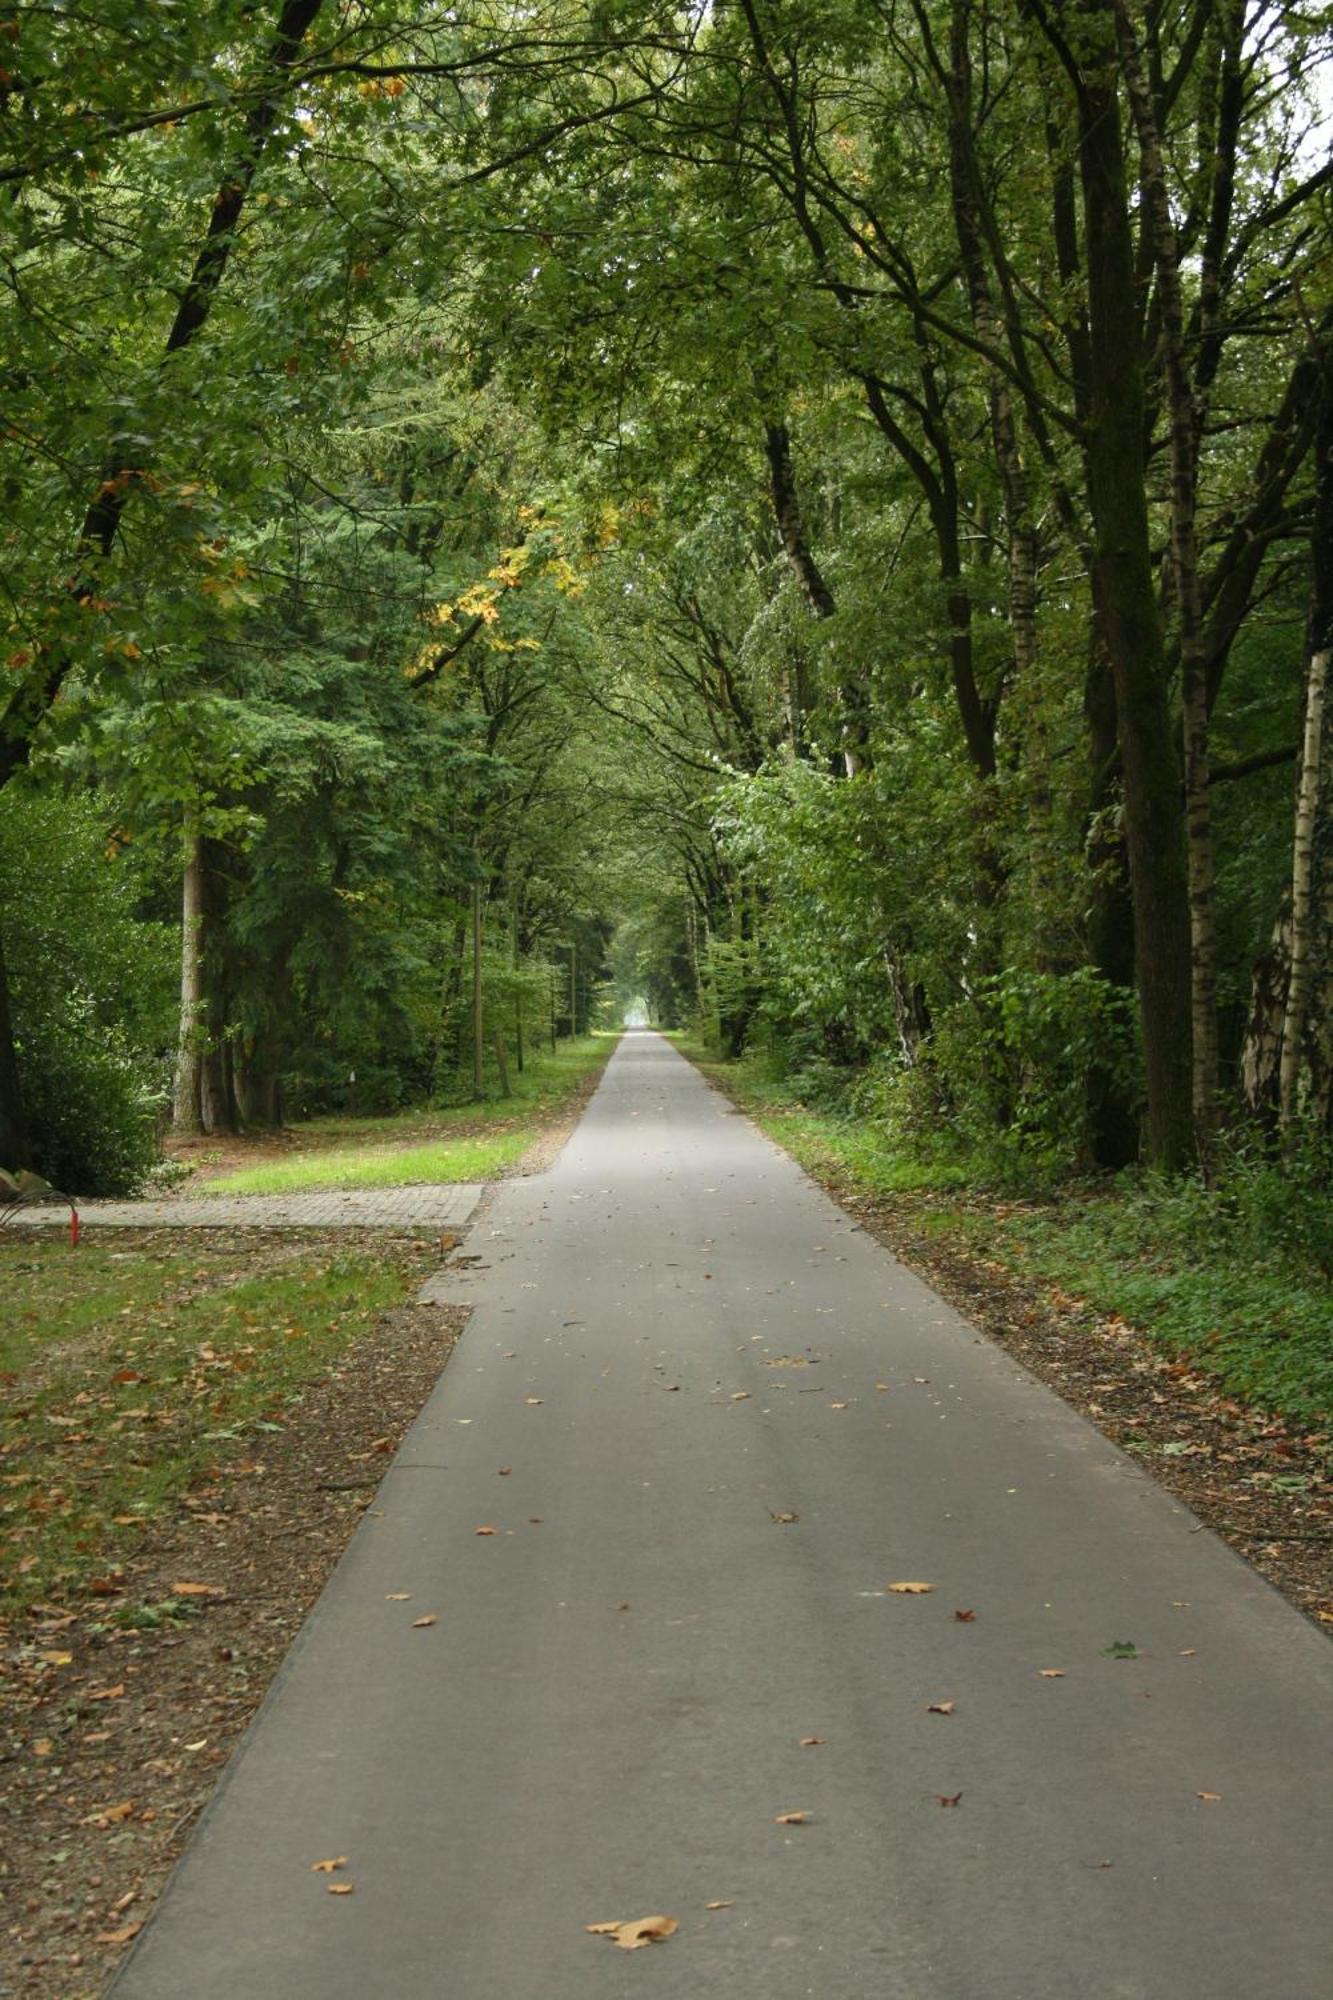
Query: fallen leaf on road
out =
(1187, 1653)
(342, 1888)
(837, 1406)
(783, 1518)
(532, 1401)
(328, 1867)
(788, 1361)
(1209, 1798)
(965, 1617)
(1051, 1673)
(485, 1531)
(632, 1936)
(1120, 1649)
(431, 1618)
(719, 1906)
(535, 1520)
(741, 1396)
(945, 1799)
(398, 1597)
(792, 1819)
(505, 1471)
(909, 1589)
(812, 1742)
(881, 1385)
(939, 1708)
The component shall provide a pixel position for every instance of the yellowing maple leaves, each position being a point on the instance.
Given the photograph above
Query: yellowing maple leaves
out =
(640, 1931)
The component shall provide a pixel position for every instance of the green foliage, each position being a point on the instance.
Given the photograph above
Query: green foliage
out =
(91, 995)
(1236, 1277)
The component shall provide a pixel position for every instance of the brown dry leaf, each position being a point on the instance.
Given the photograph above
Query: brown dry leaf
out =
(909, 1589)
(1051, 1673)
(56, 1659)
(532, 1401)
(398, 1597)
(945, 1799)
(485, 1531)
(429, 1619)
(792, 1819)
(633, 1936)
(328, 1867)
(110, 1815)
(964, 1617)
(812, 1742)
(720, 1906)
(1187, 1653)
(342, 1888)
(121, 1936)
(1209, 1798)
(782, 1519)
(106, 1694)
(939, 1708)
(837, 1406)
(505, 1471)
(197, 1590)
(741, 1396)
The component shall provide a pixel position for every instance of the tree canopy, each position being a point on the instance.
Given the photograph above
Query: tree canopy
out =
(816, 516)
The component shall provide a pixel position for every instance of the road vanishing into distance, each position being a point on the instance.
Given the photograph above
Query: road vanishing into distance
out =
(698, 1427)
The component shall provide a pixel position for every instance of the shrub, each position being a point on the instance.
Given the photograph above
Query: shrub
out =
(92, 994)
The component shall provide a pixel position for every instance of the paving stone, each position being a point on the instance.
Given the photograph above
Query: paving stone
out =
(439, 1206)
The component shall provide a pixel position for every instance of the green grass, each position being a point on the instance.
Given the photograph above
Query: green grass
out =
(1233, 1279)
(465, 1142)
(128, 1373)
(399, 1166)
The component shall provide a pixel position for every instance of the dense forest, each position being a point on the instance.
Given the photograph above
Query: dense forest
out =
(816, 515)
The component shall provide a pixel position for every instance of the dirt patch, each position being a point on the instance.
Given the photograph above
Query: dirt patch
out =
(114, 1739)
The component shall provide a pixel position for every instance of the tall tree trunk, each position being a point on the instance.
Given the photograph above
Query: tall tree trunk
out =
(478, 1024)
(1127, 606)
(187, 1112)
(853, 721)
(1113, 1122)
(1202, 889)
(1261, 1049)
(1313, 806)
(14, 1144)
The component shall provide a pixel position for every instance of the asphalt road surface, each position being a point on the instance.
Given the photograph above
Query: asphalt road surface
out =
(730, 1420)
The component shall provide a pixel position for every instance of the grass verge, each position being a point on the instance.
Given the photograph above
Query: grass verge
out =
(465, 1142)
(1212, 1277)
(128, 1372)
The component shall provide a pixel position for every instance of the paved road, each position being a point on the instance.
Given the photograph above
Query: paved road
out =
(606, 1720)
(437, 1206)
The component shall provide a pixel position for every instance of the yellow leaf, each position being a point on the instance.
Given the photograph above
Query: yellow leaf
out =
(328, 1867)
(909, 1589)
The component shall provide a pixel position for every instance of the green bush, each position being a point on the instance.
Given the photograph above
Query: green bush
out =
(92, 994)
(92, 1112)
(1004, 1080)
